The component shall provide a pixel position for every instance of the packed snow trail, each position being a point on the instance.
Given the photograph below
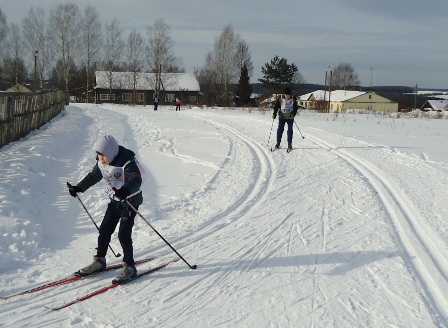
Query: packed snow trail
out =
(313, 238)
(428, 262)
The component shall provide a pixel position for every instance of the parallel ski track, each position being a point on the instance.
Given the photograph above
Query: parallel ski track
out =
(237, 211)
(254, 194)
(260, 188)
(422, 257)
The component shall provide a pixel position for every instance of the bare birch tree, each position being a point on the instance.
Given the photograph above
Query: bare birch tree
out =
(245, 64)
(206, 78)
(3, 28)
(244, 57)
(91, 41)
(36, 42)
(13, 62)
(160, 56)
(64, 38)
(344, 77)
(223, 62)
(3, 33)
(113, 51)
(135, 56)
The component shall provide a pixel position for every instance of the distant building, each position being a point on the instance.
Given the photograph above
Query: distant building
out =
(435, 105)
(20, 88)
(270, 102)
(341, 100)
(119, 87)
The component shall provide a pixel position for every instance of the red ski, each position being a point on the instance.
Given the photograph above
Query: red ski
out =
(69, 279)
(106, 288)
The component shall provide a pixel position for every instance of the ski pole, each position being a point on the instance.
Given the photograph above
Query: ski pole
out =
(271, 131)
(146, 221)
(299, 130)
(85, 209)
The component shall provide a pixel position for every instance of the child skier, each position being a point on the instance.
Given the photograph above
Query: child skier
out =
(118, 167)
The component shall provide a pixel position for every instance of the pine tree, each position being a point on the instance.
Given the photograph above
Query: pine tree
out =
(244, 88)
(278, 73)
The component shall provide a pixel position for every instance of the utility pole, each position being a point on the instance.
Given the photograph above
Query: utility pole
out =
(35, 69)
(415, 98)
(371, 77)
(159, 80)
(87, 81)
(325, 91)
(94, 83)
(329, 91)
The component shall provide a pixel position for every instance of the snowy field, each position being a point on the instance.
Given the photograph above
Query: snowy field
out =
(348, 230)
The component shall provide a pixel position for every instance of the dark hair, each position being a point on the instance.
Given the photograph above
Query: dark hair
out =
(287, 91)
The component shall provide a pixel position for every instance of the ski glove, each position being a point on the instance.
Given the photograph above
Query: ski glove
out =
(121, 193)
(274, 116)
(73, 190)
(124, 211)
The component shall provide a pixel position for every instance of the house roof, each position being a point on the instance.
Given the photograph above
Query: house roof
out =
(18, 88)
(441, 105)
(336, 95)
(147, 81)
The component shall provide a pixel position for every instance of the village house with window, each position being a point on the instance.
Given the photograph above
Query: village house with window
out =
(435, 105)
(140, 88)
(342, 100)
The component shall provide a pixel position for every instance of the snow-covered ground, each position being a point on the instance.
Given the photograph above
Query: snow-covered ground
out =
(347, 230)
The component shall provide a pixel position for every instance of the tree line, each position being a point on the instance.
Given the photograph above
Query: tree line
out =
(69, 44)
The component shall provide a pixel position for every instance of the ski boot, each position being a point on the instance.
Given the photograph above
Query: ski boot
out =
(128, 272)
(98, 265)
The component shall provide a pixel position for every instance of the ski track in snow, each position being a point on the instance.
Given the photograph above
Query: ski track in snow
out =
(423, 257)
(337, 254)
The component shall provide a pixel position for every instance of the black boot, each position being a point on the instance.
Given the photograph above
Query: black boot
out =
(289, 145)
(277, 145)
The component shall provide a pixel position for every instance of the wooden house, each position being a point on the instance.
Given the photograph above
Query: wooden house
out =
(435, 105)
(140, 88)
(19, 88)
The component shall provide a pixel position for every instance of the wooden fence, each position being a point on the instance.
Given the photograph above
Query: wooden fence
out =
(21, 113)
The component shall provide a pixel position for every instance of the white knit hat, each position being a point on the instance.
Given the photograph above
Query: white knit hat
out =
(107, 146)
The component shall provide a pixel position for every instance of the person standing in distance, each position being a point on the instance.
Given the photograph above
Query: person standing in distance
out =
(156, 102)
(178, 102)
(118, 167)
(287, 109)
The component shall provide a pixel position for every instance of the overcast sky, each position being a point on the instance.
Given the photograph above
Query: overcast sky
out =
(387, 42)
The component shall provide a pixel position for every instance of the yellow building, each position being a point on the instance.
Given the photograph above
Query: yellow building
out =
(341, 100)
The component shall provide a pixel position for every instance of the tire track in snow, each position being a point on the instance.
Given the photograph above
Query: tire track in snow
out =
(423, 257)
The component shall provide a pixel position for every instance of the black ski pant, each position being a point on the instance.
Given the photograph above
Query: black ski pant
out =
(281, 127)
(115, 213)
